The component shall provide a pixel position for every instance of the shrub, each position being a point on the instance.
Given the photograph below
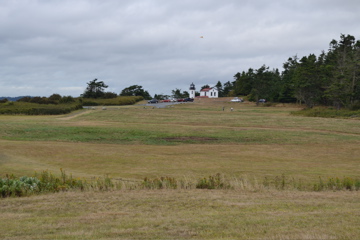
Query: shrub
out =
(213, 182)
(38, 109)
(123, 100)
(67, 99)
(12, 187)
(160, 183)
(46, 182)
(355, 106)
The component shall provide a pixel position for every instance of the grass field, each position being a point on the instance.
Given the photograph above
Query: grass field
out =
(188, 141)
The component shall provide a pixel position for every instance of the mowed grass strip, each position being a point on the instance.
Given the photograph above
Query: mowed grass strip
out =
(183, 125)
(182, 214)
(306, 162)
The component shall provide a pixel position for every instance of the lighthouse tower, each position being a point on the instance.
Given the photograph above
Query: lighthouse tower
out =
(192, 91)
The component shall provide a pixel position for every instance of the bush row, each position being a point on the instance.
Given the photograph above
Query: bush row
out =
(46, 182)
(53, 99)
(38, 109)
(62, 106)
(126, 100)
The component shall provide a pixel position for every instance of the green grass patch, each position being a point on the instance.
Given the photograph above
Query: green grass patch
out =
(328, 113)
(157, 135)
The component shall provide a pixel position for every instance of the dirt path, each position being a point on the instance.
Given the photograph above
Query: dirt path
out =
(75, 114)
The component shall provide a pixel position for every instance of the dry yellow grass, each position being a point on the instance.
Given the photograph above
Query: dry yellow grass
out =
(250, 141)
(197, 160)
(182, 214)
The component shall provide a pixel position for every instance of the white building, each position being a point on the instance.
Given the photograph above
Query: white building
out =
(211, 92)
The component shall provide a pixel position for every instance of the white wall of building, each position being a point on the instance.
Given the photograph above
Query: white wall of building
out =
(212, 93)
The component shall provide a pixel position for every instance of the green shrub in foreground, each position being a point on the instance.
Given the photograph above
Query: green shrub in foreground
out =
(213, 182)
(160, 183)
(46, 182)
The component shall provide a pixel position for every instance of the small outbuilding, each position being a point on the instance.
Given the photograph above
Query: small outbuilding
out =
(211, 92)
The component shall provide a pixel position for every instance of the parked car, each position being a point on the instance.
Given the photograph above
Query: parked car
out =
(154, 100)
(166, 100)
(236, 99)
(262, 100)
(188, 100)
(180, 100)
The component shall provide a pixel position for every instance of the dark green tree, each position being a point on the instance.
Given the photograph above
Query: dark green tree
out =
(161, 96)
(343, 61)
(205, 86)
(94, 89)
(178, 94)
(287, 76)
(243, 83)
(135, 90)
(228, 86)
(265, 83)
(67, 99)
(307, 81)
(55, 97)
(220, 89)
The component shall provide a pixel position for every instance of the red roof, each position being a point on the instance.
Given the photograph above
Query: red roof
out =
(205, 89)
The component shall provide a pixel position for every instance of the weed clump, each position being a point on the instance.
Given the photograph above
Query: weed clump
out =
(159, 183)
(12, 187)
(46, 182)
(213, 182)
(337, 184)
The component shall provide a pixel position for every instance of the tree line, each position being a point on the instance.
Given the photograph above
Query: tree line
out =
(330, 79)
(96, 89)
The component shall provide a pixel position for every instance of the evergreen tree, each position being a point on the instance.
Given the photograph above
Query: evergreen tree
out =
(220, 89)
(94, 89)
(178, 94)
(135, 90)
(344, 59)
(307, 81)
(228, 86)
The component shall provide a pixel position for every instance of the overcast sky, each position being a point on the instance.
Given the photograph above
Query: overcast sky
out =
(57, 46)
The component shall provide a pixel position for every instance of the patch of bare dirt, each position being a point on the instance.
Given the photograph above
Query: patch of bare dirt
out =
(75, 114)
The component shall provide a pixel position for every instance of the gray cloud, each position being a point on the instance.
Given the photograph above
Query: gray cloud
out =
(56, 46)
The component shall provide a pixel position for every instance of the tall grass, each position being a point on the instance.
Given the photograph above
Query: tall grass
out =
(328, 113)
(47, 182)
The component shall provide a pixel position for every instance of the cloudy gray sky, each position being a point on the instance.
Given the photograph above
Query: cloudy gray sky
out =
(57, 46)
